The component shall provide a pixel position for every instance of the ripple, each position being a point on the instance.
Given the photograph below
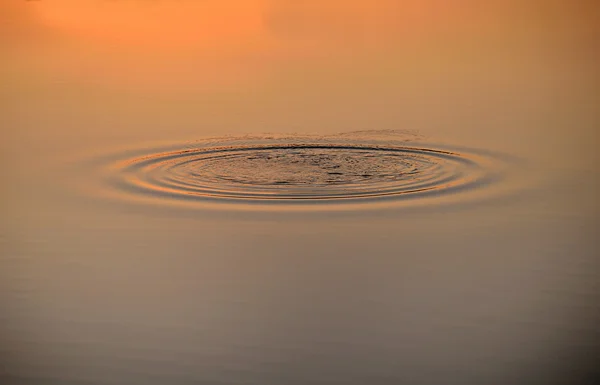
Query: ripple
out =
(301, 171)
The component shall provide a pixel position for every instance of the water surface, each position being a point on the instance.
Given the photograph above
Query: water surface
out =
(423, 209)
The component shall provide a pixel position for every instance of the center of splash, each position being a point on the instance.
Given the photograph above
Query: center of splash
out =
(308, 167)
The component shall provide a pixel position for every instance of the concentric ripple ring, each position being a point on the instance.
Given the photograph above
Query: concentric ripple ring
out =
(289, 172)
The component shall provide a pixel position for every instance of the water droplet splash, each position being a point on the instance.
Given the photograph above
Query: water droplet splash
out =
(306, 172)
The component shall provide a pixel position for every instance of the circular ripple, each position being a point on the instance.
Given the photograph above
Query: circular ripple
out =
(270, 171)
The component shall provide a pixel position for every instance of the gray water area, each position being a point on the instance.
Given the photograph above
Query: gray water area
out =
(418, 211)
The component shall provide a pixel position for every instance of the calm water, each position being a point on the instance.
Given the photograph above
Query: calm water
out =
(285, 192)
